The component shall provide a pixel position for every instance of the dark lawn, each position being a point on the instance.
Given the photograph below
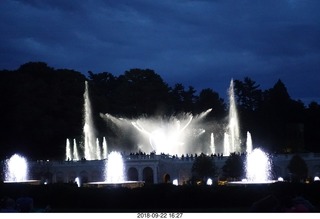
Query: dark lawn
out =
(164, 197)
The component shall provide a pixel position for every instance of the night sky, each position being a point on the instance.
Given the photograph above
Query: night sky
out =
(202, 43)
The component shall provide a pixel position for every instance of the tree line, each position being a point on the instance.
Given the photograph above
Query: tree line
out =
(42, 106)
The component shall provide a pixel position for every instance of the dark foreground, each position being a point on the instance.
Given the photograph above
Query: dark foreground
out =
(277, 197)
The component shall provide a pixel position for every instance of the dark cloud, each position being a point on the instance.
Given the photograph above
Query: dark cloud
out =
(198, 43)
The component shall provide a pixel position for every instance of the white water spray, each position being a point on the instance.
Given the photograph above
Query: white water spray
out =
(88, 129)
(114, 168)
(249, 143)
(68, 150)
(75, 151)
(16, 169)
(212, 146)
(233, 129)
(104, 148)
(258, 166)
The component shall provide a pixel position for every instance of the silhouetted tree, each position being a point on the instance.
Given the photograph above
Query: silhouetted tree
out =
(141, 92)
(249, 96)
(312, 127)
(209, 99)
(298, 168)
(189, 99)
(183, 100)
(102, 88)
(203, 168)
(42, 106)
(234, 167)
(280, 114)
(249, 99)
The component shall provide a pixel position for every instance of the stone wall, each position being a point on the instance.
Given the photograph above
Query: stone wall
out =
(152, 169)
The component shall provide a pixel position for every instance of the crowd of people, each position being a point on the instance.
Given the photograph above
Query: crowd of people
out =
(20, 205)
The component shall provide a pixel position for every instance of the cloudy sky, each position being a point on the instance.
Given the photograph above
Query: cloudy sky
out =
(201, 43)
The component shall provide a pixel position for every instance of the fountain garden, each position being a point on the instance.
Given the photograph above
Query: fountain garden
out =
(170, 136)
(160, 136)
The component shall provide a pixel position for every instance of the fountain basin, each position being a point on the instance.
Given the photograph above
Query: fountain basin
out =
(126, 184)
(243, 183)
(29, 182)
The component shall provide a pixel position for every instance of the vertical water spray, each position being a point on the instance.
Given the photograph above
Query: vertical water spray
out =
(16, 169)
(91, 145)
(258, 166)
(104, 148)
(226, 145)
(98, 150)
(233, 129)
(114, 170)
(88, 129)
(212, 146)
(170, 135)
(249, 143)
(68, 150)
(75, 150)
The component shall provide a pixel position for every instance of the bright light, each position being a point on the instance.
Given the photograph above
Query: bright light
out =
(175, 182)
(209, 182)
(17, 169)
(316, 178)
(280, 179)
(170, 135)
(167, 138)
(77, 180)
(258, 166)
(115, 168)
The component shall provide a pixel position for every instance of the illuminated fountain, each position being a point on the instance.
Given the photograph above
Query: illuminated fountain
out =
(257, 166)
(90, 143)
(68, 150)
(232, 136)
(170, 136)
(75, 152)
(258, 163)
(72, 154)
(182, 133)
(114, 169)
(212, 145)
(92, 149)
(17, 170)
(175, 135)
(249, 143)
(115, 174)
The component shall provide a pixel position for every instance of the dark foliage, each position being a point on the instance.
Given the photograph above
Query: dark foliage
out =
(234, 167)
(298, 168)
(203, 168)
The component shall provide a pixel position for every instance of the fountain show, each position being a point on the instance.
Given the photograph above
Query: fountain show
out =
(163, 166)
